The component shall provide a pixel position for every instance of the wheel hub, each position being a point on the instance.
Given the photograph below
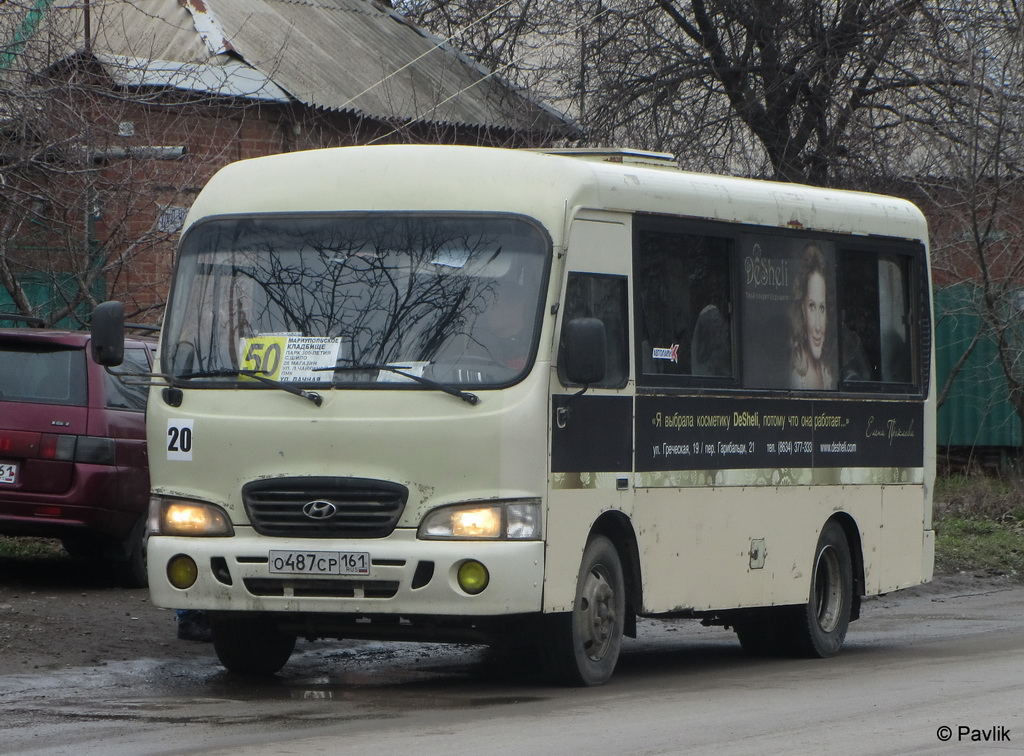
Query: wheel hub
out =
(598, 619)
(828, 590)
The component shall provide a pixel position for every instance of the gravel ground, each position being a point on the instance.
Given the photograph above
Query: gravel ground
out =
(62, 613)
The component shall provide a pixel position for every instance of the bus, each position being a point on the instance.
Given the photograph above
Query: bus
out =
(482, 395)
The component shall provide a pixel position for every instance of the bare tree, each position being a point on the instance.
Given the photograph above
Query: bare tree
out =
(971, 179)
(103, 144)
(787, 89)
(92, 190)
(919, 97)
(523, 41)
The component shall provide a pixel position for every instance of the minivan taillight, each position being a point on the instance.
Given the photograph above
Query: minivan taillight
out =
(92, 450)
(61, 447)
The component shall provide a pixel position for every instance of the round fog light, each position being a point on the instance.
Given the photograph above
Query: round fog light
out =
(182, 571)
(473, 577)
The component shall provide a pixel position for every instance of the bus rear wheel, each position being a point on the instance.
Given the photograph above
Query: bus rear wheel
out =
(250, 644)
(583, 647)
(759, 633)
(818, 628)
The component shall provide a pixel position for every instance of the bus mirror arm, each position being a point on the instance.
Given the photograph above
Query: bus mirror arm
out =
(564, 413)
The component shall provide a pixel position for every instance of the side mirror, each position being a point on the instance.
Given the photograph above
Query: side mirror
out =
(108, 334)
(585, 351)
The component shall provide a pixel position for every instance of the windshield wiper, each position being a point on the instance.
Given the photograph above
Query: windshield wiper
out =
(257, 375)
(402, 370)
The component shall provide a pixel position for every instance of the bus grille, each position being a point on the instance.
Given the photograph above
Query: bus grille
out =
(322, 507)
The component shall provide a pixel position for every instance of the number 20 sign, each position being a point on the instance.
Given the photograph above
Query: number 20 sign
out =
(179, 439)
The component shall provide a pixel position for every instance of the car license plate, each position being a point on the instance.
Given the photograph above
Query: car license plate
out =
(319, 562)
(8, 472)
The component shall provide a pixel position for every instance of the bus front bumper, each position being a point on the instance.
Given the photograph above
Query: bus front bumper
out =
(406, 576)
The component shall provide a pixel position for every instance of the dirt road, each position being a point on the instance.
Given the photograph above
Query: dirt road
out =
(62, 613)
(89, 669)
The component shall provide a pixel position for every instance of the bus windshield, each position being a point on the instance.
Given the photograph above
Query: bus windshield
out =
(357, 299)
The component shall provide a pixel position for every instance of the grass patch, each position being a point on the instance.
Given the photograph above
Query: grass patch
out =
(31, 548)
(979, 545)
(979, 525)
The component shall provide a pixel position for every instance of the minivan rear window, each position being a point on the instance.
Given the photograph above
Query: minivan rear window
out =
(44, 376)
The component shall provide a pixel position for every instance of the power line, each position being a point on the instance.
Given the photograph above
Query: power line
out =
(438, 46)
(586, 21)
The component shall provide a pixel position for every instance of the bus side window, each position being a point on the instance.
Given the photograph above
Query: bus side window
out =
(876, 336)
(589, 295)
(683, 304)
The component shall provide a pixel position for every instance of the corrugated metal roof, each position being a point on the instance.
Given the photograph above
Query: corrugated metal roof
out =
(156, 29)
(340, 55)
(353, 55)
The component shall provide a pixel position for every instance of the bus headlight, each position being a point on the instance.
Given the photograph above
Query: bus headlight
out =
(513, 519)
(187, 517)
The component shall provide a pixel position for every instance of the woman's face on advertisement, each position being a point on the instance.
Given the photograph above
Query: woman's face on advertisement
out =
(814, 313)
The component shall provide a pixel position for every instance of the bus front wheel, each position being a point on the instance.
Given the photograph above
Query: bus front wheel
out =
(584, 644)
(249, 644)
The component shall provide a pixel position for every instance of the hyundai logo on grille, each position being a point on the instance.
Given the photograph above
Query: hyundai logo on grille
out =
(319, 510)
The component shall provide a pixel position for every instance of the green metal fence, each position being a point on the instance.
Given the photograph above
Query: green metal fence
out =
(977, 412)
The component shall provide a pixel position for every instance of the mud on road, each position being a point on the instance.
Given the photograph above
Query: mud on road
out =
(59, 613)
(91, 669)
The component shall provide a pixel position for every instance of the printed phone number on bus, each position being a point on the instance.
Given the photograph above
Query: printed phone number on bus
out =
(319, 562)
(794, 447)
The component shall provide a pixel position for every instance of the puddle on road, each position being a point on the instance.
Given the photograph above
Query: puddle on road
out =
(372, 680)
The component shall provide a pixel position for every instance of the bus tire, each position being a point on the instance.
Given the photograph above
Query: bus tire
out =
(250, 644)
(124, 558)
(818, 628)
(758, 632)
(584, 644)
(133, 566)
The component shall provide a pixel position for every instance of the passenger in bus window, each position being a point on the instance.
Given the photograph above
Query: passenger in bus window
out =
(855, 366)
(711, 349)
(893, 320)
(811, 368)
(507, 331)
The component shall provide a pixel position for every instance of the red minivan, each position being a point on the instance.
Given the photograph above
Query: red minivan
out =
(73, 459)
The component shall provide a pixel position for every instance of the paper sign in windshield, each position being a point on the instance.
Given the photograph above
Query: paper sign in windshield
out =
(407, 368)
(290, 358)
